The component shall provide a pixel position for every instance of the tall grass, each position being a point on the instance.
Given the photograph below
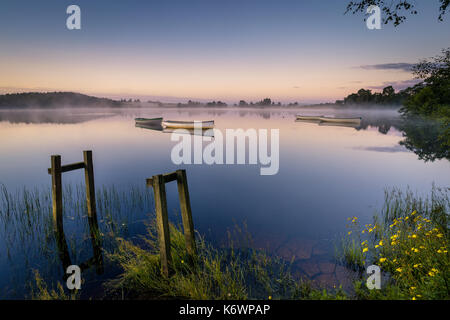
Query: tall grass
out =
(213, 273)
(409, 241)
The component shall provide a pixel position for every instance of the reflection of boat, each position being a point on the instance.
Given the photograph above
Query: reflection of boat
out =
(339, 124)
(198, 132)
(313, 118)
(188, 124)
(153, 126)
(146, 121)
(341, 120)
(204, 133)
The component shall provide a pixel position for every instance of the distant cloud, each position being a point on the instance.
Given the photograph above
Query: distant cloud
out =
(296, 87)
(397, 85)
(403, 66)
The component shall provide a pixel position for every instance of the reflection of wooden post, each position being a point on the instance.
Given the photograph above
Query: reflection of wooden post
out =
(57, 193)
(186, 213)
(56, 171)
(58, 226)
(92, 210)
(162, 221)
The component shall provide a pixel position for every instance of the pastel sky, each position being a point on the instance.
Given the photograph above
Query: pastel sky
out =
(289, 50)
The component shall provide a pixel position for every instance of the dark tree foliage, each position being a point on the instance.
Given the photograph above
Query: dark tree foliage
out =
(428, 139)
(432, 98)
(216, 104)
(394, 11)
(365, 97)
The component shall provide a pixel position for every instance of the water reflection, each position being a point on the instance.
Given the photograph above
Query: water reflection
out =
(198, 132)
(63, 249)
(425, 137)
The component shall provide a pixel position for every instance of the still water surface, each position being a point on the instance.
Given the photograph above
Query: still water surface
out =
(326, 173)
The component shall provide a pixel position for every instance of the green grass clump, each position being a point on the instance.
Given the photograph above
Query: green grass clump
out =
(42, 292)
(410, 242)
(213, 274)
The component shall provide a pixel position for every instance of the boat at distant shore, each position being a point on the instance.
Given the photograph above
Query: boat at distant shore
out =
(148, 121)
(188, 124)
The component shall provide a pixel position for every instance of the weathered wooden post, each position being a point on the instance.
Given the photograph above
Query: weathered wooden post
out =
(186, 213)
(162, 221)
(90, 187)
(56, 173)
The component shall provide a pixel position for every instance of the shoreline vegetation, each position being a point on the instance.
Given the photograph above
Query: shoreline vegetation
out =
(408, 239)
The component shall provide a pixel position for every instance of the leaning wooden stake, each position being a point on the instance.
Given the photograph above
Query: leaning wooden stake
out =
(162, 221)
(90, 187)
(57, 193)
(186, 213)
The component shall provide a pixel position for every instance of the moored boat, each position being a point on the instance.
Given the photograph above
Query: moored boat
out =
(311, 118)
(147, 121)
(188, 124)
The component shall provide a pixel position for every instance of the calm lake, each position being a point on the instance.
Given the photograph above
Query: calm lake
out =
(326, 174)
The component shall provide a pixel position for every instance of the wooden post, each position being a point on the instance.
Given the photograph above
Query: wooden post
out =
(162, 221)
(57, 193)
(90, 187)
(186, 212)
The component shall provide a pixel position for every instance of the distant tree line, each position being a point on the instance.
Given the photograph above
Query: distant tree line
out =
(264, 102)
(54, 99)
(365, 97)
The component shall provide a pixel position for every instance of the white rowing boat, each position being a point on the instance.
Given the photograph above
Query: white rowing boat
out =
(147, 121)
(310, 118)
(188, 124)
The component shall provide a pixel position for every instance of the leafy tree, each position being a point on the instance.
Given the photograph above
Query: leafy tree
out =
(394, 10)
(388, 91)
(432, 98)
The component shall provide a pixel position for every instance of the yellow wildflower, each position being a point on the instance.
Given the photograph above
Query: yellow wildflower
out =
(365, 250)
(382, 260)
(399, 270)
